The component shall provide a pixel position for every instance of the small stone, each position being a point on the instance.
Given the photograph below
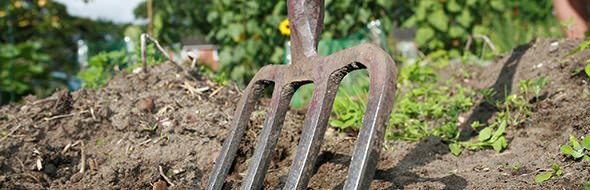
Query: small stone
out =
(160, 185)
(553, 47)
(146, 105)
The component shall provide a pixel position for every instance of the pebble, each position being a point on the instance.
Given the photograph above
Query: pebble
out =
(553, 47)
(146, 105)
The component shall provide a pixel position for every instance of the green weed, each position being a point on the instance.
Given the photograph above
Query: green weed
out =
(586, 185)
(515, 167)
(548, 175)
(581, 47)
(578, 150)
(99, 142)
(152, 128)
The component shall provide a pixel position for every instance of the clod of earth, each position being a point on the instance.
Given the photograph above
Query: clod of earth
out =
(146, 105)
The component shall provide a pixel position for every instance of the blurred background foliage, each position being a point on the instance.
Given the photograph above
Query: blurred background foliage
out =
(39, 36)
(248, 30)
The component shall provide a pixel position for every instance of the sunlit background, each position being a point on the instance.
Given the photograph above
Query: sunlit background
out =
(55, 44)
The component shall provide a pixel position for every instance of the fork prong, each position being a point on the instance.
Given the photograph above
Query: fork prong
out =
(269, 135)
(313, 133)
(232, 141)
(382, 83)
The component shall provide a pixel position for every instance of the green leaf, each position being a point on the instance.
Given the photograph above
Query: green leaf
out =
(465, 19)
(587, 70)
(586, 185)
(439, 20)
(498, 145)
(497, 4)
(235, 30)
(423, 35)
(543, 177)
(575, 142)
(456, 31)
(336, 123)
(579, 48)
(586, 142)
(567, 149)
(485, 134)
(556, 169)
(453, 6)
(501, 129)
(578, 153)
(455, 148)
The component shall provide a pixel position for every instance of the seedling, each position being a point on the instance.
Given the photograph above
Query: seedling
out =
(549, 175)
(162, 137)
(568, 25)
(543, 142)
(99, 142)
(4, 133)
(475, 125)
(152, 128)
(578, 150)
(515, 167)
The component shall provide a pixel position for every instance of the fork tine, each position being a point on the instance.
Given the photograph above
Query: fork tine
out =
(313, 133)
(382, 83)
(240, 120)
(269, 135)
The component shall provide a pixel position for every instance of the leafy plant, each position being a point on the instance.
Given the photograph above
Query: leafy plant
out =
(578, 150)
(152, 128)
(513, 111)
(548, 175)
(23, 70)
(581, 47)
(586, 185)
(105, 65)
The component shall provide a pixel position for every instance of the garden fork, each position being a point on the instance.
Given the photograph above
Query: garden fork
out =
(306, 21)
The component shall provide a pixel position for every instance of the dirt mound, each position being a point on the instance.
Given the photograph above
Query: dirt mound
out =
(118, 137)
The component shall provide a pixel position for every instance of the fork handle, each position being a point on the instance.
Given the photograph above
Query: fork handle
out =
(306, 19)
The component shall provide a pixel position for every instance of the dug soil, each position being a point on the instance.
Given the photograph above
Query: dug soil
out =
(143, 126)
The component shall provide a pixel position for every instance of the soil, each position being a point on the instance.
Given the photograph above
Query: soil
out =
(107, 138)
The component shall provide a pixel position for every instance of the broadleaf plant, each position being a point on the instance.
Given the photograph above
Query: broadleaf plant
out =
(577, 151)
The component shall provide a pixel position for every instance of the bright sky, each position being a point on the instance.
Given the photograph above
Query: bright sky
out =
(119, 11)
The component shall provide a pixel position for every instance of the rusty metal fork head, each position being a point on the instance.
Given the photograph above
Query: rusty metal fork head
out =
(306, 21)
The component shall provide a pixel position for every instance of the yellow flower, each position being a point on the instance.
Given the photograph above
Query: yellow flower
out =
(23, 23)
(242, 37)
(18, 4)
(41, 3)
(284, 27)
